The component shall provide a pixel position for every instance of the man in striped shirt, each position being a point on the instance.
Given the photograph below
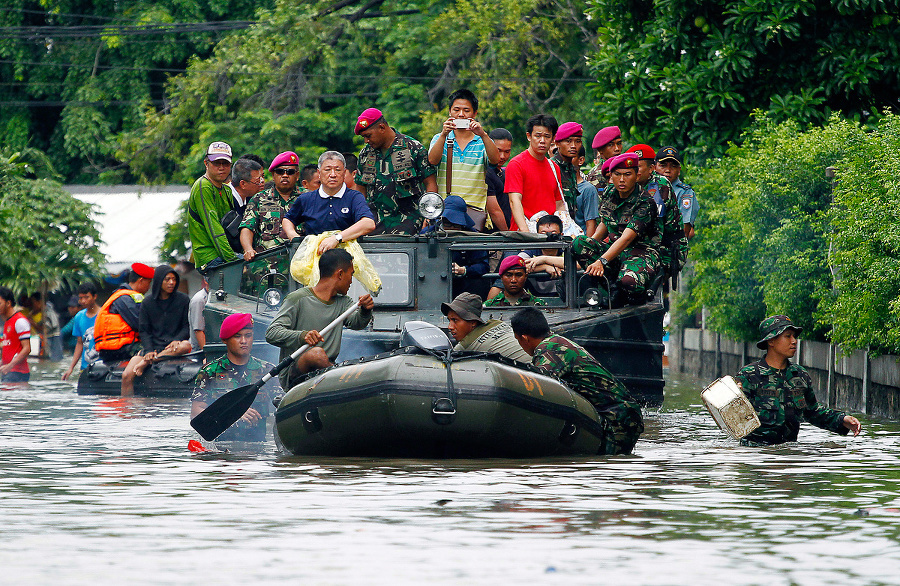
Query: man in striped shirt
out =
(472, 151)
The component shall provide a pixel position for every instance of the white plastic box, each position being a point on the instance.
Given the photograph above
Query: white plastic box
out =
(730, 407)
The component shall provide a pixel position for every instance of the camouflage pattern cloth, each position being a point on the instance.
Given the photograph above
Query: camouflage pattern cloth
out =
(222, 375)
(674, 246)
(527, 299)
(596, 178)
(782, 399)
(568, 179)
(394, 183)
(263, 217)
(640, 260)
(587, 377)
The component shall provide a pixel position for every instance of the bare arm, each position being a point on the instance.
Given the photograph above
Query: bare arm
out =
(518, 212)
(493, 155)
(246, 238)
(590, 226)
(201, 337)
(600, 233)
(431, 183)
(289, 229)
(79, 348)
(20, 356)
(436, 152)
(492, 207)
(362, 227)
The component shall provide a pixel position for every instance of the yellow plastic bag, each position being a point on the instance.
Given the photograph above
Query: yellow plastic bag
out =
(305, 264)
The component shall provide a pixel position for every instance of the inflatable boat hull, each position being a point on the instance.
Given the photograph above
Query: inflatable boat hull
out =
(170, 378)
(400, 405)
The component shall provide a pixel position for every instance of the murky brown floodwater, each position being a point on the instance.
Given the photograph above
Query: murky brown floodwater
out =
(104, 491)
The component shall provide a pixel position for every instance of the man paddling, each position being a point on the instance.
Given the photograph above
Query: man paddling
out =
(781, 391)
(587, 377)
(308, 310)
(235, 369)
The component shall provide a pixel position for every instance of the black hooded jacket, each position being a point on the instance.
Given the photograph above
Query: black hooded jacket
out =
(163, 320)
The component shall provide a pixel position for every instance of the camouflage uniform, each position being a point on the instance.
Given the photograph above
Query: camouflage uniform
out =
(222, 375)
(568, 180)
(784, 398)
(640, 260)
(596, 178)
(587, 377)
(263, 217)
(527, 299)
(674, 248)
(394, 183)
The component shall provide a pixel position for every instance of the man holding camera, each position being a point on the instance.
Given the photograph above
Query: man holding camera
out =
(472, 151)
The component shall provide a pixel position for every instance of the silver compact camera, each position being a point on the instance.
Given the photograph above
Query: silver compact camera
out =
(462, 123)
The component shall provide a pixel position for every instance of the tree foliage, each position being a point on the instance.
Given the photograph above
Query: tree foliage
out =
(690, 72)
(762, 247)
(864, 306)
(268, 89)
(78, 72)
(48, 235)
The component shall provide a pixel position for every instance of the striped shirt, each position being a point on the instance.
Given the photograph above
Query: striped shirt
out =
(469, 165)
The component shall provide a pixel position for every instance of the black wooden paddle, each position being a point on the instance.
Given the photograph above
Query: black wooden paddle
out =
(231, 406)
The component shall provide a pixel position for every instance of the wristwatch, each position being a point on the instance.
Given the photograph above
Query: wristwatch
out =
(604, 262)
(339, 237)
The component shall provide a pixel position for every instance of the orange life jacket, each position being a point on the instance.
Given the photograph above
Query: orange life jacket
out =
(110, 330)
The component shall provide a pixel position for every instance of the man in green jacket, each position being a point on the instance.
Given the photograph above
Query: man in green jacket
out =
(475, 334)
(781, 391)
(209, 201)
(310, 309)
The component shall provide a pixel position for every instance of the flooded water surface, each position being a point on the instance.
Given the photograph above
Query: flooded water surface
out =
(104, 491)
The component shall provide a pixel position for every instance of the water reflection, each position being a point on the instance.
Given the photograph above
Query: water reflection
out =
(104, 490)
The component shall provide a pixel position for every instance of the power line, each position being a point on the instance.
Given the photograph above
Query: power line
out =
(45, 13)
(44, 32)
(307, 75)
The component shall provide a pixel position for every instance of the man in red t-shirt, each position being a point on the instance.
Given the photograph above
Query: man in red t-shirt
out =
(532, 180)
(16, 344)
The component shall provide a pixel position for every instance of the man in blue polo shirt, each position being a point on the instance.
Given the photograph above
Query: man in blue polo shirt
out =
(331, 207)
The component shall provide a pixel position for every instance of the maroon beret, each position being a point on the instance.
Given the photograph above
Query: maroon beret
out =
(624, 161)
(605, 136)
(285, 158)
(568, 129)
(369, 117)
(511, 262)
(235, 323)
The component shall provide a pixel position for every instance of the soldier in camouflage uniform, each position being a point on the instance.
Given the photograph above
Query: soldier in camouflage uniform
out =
(568, 142)
(781, 391)
(630, 219)
(261, 227)
(393, 174)
(231, 371)
(607, 144)
(674, 247)
(513, 276)
(587, 377)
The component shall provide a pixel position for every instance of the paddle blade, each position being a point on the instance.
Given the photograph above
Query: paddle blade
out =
(196, 446)
(224, 411)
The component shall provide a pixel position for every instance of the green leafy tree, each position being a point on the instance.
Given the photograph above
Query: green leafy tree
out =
(49, 237)
(864, 306)
(690, 72)
(77, 72)
(762, 247)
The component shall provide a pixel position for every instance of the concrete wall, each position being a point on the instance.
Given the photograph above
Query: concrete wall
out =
(851, 383)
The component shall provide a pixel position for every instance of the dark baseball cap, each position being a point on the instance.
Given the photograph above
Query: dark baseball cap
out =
(668, 153)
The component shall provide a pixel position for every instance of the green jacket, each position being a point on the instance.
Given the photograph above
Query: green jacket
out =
(206, 207)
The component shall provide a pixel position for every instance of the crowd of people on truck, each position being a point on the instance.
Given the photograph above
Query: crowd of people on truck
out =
(630, 217)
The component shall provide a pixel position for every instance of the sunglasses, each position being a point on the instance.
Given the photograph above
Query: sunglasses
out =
(287, 172)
